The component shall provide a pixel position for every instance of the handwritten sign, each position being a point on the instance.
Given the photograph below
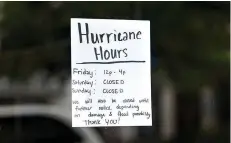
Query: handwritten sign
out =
(111, 83)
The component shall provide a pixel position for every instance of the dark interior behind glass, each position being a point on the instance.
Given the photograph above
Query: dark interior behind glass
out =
(35, 130)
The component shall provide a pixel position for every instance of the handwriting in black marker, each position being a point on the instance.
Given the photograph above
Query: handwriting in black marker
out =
(101, 101)
(82, 90)
(112, 91)
(113, 100)
(82, 82)
(122, 72)
(108, 81)
(114, 36)
(96, 115)
(122, 113)
(114, 62)
(88, 101)
(82, 108)
(92, 122)
(77, 115)
(84, 72)
(105, 108)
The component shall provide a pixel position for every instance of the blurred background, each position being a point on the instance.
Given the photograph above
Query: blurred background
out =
(190, 48)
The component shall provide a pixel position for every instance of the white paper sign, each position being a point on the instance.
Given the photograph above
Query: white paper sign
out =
(111, 78)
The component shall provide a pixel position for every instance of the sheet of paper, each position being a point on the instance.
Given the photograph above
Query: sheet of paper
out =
(111, 75)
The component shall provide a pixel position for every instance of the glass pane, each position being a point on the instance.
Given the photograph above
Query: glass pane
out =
(35, 130)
